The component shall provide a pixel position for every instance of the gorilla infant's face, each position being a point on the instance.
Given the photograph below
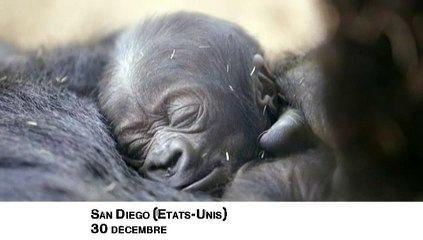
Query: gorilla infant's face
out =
(187, 133)
(180, 92)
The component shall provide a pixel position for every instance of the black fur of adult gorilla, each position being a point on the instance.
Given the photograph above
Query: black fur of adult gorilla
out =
(53, 140)
(186, 100)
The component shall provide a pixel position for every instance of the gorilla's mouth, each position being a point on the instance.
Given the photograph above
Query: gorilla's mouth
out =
(211, 181)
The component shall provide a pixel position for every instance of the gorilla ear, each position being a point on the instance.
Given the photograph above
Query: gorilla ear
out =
(266, 93)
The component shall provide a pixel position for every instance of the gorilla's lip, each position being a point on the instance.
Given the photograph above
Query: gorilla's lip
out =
(210, 181)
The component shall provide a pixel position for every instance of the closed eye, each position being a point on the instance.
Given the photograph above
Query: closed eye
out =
(184, 116)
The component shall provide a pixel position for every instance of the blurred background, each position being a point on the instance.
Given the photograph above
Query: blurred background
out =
(279, 25)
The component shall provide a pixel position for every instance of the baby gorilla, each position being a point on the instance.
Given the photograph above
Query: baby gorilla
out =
(186, 101)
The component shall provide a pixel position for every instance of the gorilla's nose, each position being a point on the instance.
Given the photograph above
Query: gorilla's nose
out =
(166, 162)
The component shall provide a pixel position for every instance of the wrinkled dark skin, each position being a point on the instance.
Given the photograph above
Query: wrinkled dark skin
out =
(185, 100)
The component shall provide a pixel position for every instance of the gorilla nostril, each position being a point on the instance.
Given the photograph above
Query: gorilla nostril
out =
(174, 158)
(169, 161)
(167, 164)
(168, 172)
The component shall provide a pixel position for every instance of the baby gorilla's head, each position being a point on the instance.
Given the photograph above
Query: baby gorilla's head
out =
(185, 99)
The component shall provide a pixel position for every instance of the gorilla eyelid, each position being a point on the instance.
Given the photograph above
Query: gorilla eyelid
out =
(171, 96)
(184, 116)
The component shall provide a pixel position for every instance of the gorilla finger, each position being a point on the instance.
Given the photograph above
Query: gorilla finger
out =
(289, 133)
